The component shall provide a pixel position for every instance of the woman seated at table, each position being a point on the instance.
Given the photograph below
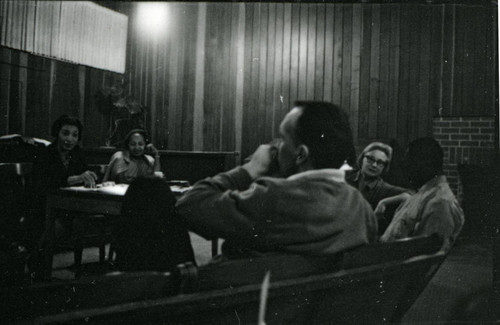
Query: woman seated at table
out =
(373, 161)
(63, 163)
(60, 164)
(135, 161)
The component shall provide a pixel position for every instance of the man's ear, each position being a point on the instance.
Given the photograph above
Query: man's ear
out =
(302, 155)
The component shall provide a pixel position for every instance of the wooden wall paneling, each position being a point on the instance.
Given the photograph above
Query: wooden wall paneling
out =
(459, 52)
(180, 77)
(385, 53)
(252, 118)
(393, 80)
(23, 81)
(188, 94)
(199, 77)
(37, 100)
(5, 82)
(364, 74)
(302, 59)
(346, 58)
(212, 109)
(65, 100)
(403, 80)
(240, 51)
(96, 123)
(319, 73)
(262, 122)
(423, 117)
(172, 52)
(167, 133)
(294, 53)
(311, 49)
(286, 99)
(480, 62)
(229, 63)
(278, 82)
(248, 84)
(14, 114)
(374, 72)
(329, 53)
(414, 87)
(448, 60)
(436, 60)
(491, 92)
(81, 92)
(338, 55)
(468, 104)
(269, 74)
(357, 28)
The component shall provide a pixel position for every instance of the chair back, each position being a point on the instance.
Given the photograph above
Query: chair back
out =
(361, 294)
(149, 237)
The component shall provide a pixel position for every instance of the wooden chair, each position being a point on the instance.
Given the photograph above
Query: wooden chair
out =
(360, 292)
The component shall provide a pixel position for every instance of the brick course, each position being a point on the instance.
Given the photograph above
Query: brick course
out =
(465, 140)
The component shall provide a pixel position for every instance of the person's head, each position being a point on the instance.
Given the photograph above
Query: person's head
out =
(375, 159)
(66, 131)
(135, 142)
(314, 135)
(423, 161)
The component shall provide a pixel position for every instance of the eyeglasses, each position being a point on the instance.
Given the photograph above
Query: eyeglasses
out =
(371, 161)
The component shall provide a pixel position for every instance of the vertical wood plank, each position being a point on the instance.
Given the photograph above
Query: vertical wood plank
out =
(394, 64)
(302, 67)
(285, 96)
(319, 73)
(374, 72)
(240, 53)
(200, 78)
(346, 58)
(357, 27)
(294, 58)
(364, 82)
(337, 54)
(23, 82)
(5, 69)
(311, 47)
(424, 128)
(277, 101)
(329, 53)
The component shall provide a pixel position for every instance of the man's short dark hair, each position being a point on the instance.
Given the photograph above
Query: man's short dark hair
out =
(426, 152)
(324, 128)
(66, 120)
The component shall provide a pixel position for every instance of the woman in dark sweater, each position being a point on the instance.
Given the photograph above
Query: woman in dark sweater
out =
(60, 164)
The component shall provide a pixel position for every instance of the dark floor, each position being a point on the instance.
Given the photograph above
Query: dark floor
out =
(459, 293)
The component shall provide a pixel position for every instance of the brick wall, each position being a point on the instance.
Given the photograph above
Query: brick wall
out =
(467, 140)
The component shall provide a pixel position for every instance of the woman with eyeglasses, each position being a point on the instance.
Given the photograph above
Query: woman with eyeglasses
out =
(382, 196)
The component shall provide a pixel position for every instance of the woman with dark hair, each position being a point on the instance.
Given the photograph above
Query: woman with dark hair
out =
(61, 164)
(135, 160)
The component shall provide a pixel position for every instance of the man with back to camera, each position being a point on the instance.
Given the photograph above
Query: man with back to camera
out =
(310, 210)
(434, 208)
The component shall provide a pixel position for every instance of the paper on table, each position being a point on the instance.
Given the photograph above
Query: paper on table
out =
(117, 189)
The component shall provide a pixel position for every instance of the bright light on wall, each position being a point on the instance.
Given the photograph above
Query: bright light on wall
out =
(152, 17)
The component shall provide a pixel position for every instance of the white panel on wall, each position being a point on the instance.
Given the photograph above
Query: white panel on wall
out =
(81, 32)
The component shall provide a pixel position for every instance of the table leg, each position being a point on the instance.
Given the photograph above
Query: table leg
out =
(47, 244)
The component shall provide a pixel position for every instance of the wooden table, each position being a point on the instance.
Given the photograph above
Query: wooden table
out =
(105, 201)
